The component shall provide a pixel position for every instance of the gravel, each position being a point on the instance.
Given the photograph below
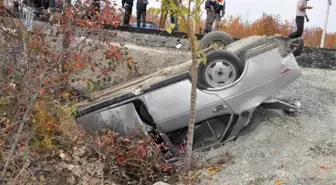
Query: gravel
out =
(318, 58)
(276, 148)
(283, 149)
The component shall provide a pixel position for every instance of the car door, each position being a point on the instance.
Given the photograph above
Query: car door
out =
(170, 106)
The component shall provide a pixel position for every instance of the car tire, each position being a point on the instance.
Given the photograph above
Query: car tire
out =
(228, 70)
(215, 36)
(299, 49)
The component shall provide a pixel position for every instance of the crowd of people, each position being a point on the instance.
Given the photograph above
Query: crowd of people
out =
(215, 10)
(141, 9)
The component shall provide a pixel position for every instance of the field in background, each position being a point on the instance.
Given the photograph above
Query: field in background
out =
(267, 24)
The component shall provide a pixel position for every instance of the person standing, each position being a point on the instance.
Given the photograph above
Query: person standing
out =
(220, 12)
(128, 6)
(164, 13)
(141, 12)
(28, 12)
(96, 4)
(210, 7)
(51, 5)
(300, 18)
(173, 19)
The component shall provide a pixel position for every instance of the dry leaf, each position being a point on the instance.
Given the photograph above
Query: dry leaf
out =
(278, 182)
(169, 30)
(42, 179)
(18, 23)
(323, 167)
(66, 94)
(212, 170)
(130, 59)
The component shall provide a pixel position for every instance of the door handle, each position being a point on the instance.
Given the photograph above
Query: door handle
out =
(219, 108)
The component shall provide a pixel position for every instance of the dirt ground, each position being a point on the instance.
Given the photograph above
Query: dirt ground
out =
(276, 148)
(283, 149)
(146, 61)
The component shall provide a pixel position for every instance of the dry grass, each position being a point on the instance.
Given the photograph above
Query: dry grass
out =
(270, 24)
(267, 24)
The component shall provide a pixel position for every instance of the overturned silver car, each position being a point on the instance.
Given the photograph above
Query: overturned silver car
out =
(236, 79)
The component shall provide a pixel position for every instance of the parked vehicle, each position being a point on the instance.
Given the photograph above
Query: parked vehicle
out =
(236, 79)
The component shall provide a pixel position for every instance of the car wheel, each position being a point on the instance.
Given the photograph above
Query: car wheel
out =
(220, 38)
(222, 68)
(299, 49)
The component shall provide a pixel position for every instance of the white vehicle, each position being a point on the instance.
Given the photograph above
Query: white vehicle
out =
(235, 80)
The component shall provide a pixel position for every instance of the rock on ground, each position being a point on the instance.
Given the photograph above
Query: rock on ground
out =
(291, 150)
(160, 183)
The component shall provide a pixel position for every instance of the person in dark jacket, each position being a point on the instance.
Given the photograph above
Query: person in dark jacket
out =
(52, 5)
(128, 6)
(141, 12)
(215, 11)
(219, 13)
(210, 7)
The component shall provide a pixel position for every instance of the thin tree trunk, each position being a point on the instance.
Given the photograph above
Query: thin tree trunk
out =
(193, 96)
(192, 43)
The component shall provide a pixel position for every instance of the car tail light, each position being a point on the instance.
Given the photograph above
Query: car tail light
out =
(286, 70)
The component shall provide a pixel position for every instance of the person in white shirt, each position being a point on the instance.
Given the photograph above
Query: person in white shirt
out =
(300, 18)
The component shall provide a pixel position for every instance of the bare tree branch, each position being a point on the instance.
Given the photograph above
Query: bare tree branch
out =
(25, 116)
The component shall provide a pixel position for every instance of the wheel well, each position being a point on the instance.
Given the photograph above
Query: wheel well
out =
(143, 113)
